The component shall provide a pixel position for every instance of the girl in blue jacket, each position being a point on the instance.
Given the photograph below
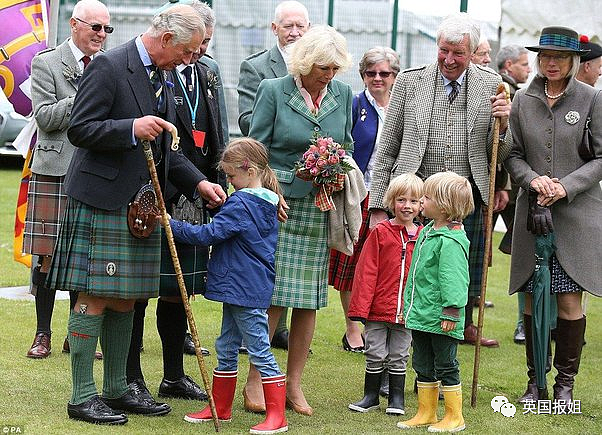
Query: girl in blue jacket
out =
(240, 274)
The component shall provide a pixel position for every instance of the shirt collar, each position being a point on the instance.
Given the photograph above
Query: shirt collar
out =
(460, 79)
(77, 53)
(144, 56)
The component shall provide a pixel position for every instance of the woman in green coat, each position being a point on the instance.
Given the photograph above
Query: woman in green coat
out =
(288, 112)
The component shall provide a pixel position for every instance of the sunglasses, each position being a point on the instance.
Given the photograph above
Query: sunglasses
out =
(383, 74)
(97, 27)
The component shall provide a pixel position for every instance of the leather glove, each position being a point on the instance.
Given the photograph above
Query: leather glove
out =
(539, 217)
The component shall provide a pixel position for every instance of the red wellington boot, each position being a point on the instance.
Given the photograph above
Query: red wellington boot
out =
(224, 385)
(274, 390)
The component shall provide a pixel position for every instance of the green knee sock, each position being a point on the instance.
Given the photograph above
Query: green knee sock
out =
(115, 343)
(83, 331)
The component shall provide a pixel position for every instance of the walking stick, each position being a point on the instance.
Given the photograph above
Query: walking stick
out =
(176, 264)
(488, 231)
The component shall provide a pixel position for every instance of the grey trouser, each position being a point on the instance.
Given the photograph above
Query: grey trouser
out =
(387, 344)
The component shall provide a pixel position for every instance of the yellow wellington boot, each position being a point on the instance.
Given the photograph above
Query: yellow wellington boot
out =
(428, 395)
(452, 421)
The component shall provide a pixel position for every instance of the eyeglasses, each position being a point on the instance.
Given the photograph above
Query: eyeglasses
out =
(97, 27)
(557, 57)
(383, 74)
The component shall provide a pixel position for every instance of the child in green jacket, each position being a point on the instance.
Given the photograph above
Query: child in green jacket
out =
(435, 295)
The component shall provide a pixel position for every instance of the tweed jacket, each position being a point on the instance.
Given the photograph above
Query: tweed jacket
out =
(267, 64)
(52, 95)
(545, 143)
(108, 169)
(405, 133)
(284, 124)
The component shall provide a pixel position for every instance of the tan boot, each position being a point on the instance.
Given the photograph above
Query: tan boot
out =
(452, 421)
(428, 395)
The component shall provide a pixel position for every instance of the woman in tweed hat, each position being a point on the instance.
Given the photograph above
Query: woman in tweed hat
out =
(547, 123)
(288, 111)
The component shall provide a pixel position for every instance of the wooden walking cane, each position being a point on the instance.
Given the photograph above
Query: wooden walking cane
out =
(502, 87)
(176, 264)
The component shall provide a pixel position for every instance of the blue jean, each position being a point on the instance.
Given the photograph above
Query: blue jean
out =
(250, 324)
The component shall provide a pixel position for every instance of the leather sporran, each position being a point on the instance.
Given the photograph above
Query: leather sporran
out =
(187, 211)
(586, 146)
(142, 212)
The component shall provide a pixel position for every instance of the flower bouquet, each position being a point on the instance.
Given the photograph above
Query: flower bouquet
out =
(324, 165)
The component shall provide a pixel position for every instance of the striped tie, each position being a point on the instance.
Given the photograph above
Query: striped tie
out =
(155, 78)
(454, 92)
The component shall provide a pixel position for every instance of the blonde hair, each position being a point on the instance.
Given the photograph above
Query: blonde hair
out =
(452, 193)
(320, 45)
(245, 153)
(408, 184)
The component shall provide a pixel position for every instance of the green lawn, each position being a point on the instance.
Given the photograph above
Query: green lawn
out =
(35, 393)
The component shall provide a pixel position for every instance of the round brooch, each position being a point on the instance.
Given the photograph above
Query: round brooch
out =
(572, 117)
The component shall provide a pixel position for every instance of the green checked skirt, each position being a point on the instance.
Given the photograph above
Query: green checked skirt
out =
(302, 257)
(96, 254)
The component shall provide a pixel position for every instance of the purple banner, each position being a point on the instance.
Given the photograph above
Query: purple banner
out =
(22, 36)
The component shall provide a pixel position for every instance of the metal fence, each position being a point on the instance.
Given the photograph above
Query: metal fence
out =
(243, 28)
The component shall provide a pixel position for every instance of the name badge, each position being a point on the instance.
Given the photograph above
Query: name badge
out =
(199, 138)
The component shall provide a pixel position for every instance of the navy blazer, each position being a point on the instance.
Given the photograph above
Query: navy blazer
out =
(365, 129)
(107, 169)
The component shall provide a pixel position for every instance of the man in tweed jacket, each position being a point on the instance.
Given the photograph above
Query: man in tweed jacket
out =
(432, 127)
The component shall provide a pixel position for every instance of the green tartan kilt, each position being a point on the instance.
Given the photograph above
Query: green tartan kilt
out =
(193, 262)
(302, 257)
(96, 254)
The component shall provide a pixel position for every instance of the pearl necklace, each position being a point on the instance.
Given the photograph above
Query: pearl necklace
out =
(551, 97)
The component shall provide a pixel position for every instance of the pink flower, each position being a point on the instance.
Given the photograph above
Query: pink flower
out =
(323, 149)
(309, 164)
(333, 160)
(321, 163)
(314, 171)
(341, 152)
(322, 142)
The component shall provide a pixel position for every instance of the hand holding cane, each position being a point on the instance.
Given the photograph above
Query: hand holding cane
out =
(502, 87)
(176, 263)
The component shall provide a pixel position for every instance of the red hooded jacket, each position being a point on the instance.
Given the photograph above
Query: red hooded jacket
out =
(380, 274)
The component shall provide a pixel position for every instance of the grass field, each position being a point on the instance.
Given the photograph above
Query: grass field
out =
(34, 394)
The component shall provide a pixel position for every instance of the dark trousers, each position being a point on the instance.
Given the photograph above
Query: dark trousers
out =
(434, 358)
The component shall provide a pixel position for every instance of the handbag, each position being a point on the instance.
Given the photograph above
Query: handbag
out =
(586, 146)
(188, 211)
(143, 212)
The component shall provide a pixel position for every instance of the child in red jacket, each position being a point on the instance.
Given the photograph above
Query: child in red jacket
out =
(377, 295)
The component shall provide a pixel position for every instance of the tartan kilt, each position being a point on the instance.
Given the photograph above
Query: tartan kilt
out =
(96, 254)
(342, 267)
(193, 262)
(46, 200)
(302, 257)
(473, 225)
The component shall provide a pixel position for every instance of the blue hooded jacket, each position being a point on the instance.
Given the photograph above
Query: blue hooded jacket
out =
(244, 235)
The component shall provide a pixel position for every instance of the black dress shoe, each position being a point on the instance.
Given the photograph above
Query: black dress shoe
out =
(348, 348)
(95, 411)
(183, 388)
(189, 346)
(138, 402)
(280, 339)
(519, 334)
(138, 387)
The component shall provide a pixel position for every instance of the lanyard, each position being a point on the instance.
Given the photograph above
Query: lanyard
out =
(196, 97)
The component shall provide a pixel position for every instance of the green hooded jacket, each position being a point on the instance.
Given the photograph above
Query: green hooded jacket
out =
(438, 280)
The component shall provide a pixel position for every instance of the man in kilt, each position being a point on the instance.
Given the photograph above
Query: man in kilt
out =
(55, 77)
(198, 122)
(123, 99)
(441, 118)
